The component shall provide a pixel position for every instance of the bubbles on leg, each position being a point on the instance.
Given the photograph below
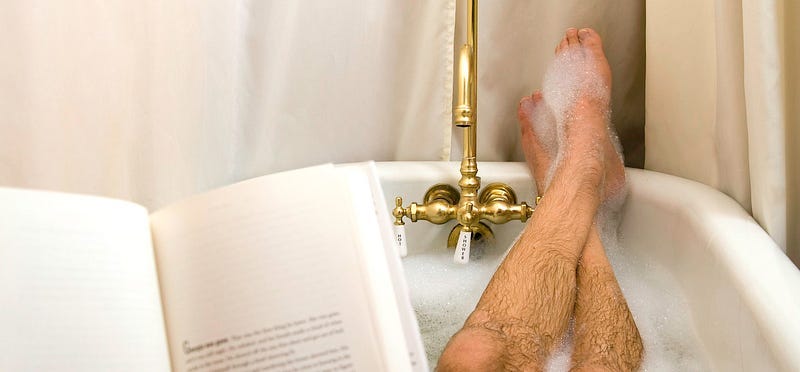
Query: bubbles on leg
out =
(573, 75)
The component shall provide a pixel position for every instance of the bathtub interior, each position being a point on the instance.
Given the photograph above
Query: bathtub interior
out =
(661, 231)
(742, 288)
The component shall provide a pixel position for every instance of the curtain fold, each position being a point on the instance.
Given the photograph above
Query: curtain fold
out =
(791, 34)
(716, 97)
(765, 76)
(153, 101)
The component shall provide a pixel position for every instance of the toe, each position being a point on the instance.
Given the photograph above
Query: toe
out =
(527, 109)
(562, 45)
(592, 42)
(525, 112)
(590, 39)
(572, 37)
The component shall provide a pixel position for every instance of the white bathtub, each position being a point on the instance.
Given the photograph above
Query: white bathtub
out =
(742, 292)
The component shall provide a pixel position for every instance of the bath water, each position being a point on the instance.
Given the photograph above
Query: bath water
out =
(444, 293)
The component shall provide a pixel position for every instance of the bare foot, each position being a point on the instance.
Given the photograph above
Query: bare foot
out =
(592, 47)
(612, 151)
(588, 137)
(539, 141)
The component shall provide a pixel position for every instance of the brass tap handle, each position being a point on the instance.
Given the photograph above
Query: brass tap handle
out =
(468, 218)
(398, 212)
(525, 212)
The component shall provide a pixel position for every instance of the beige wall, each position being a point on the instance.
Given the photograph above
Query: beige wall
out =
(516, 43)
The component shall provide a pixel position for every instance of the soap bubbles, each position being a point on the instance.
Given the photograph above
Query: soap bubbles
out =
(444, 293)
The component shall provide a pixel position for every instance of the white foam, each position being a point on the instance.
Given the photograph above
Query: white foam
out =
(444, 294)
(571, 75)
(544, 125)
(660, 310)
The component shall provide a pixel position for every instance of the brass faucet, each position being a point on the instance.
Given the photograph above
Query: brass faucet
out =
(496, 203)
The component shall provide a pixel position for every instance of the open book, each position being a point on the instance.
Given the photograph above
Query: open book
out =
(295, 271)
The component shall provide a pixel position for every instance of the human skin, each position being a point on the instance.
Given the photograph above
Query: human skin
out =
(605, 335)
(557, 267)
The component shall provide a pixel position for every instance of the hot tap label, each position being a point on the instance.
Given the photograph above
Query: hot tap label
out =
(400, 240)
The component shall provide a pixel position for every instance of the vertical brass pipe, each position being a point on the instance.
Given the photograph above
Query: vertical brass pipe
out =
(472, 39)
(470, 133)
(470, 182)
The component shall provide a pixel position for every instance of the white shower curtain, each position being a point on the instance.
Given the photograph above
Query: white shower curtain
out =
(721, 102)
(152, 101)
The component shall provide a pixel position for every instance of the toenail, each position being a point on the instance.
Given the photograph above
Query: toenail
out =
(585, 31)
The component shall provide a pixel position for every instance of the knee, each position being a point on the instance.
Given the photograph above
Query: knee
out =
(471, 350)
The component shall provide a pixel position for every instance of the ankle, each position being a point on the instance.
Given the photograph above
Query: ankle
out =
(584, 167)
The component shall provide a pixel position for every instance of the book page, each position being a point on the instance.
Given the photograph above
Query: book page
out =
(78, 287)
(265, 275)
(373, 215)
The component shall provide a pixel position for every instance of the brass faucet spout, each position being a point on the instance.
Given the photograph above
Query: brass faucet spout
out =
(463, 113)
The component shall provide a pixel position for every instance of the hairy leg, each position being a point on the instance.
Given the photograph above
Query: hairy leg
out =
(606, 337)
(527, 305)
(499, 335)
